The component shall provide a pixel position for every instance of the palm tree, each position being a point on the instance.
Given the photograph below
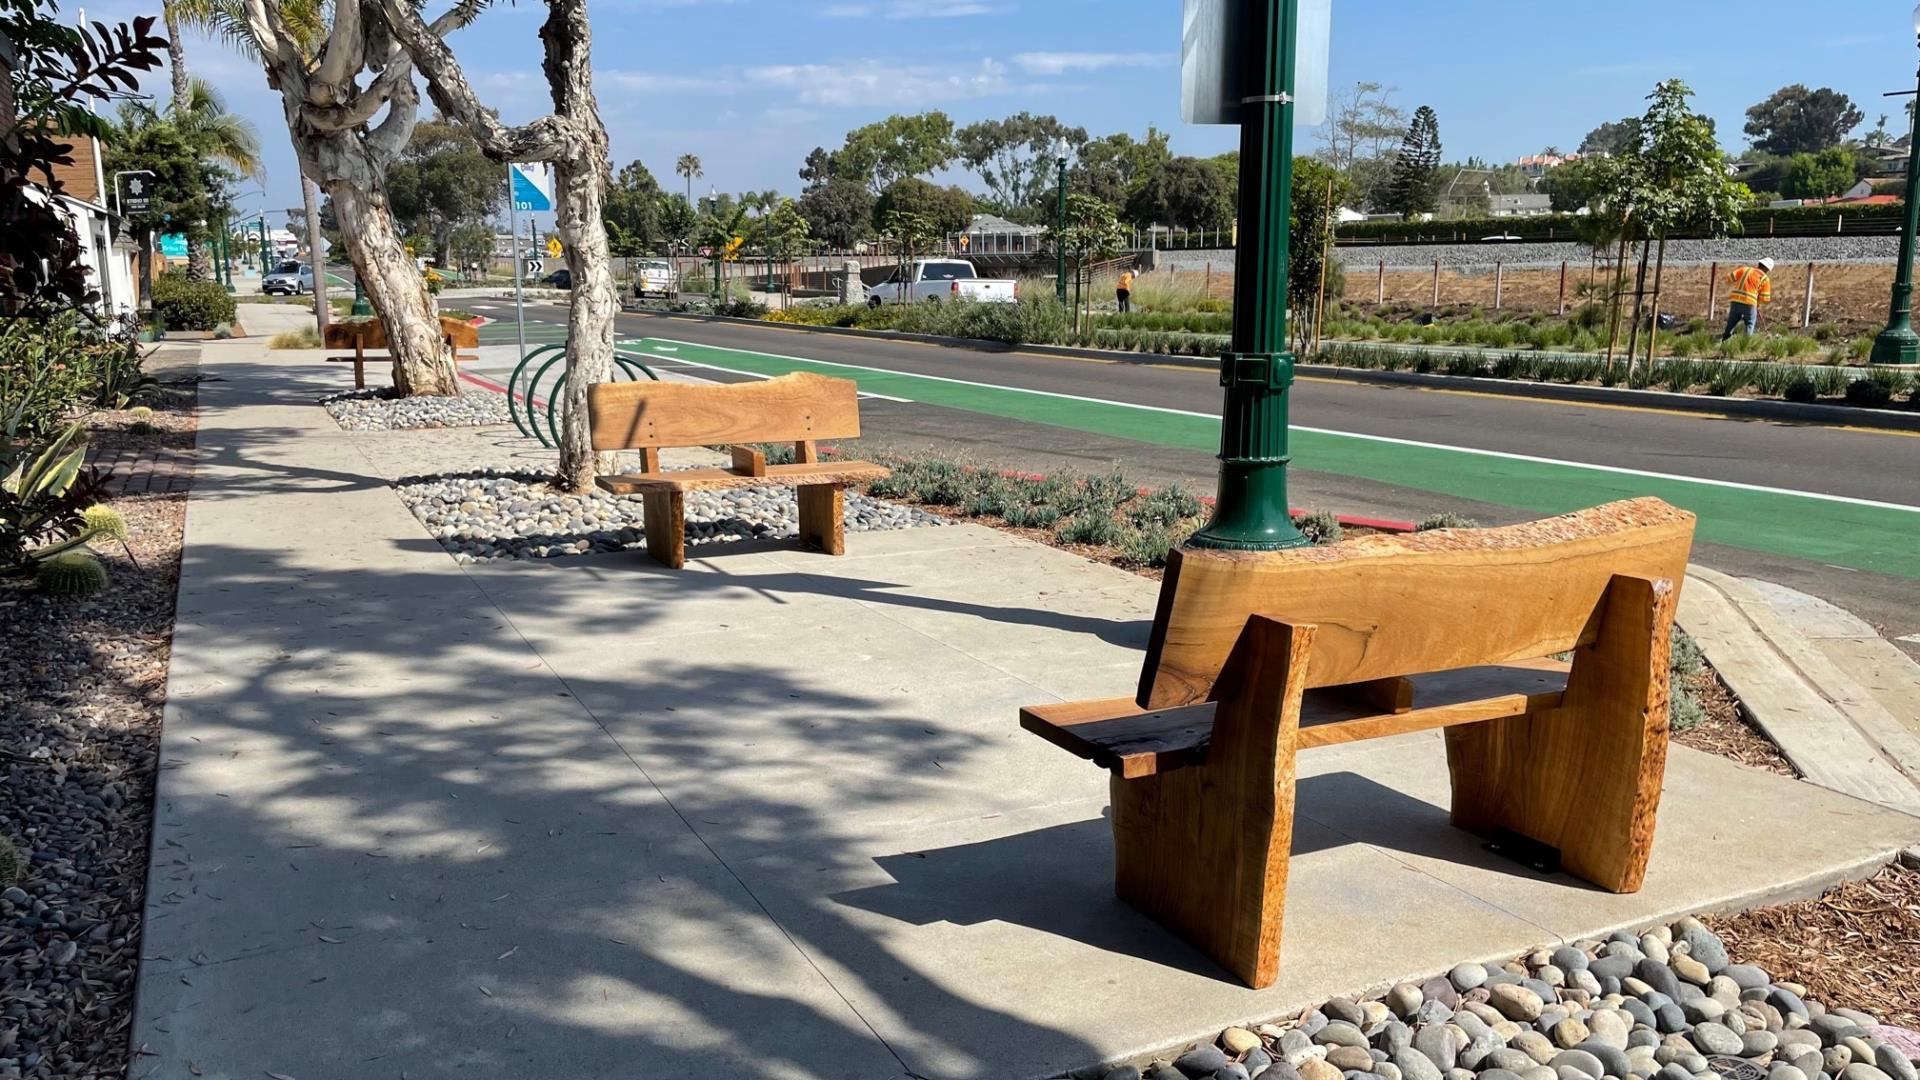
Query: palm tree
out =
(176, 51)
(200, 116)
(689, 167)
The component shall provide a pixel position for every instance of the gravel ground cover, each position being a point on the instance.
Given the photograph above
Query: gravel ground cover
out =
(82, 685)
(379, 410)
(1668, 1004)
(507, 515)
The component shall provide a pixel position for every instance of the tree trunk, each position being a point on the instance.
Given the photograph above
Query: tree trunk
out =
(422, 362)
(1659, 269)
(1639, 300)
(1613, 302)
(176, 55)
(580, 191)
(310, 196)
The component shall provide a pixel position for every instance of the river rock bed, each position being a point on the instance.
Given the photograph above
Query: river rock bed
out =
(1668, 1004)
(503, 515)
(379, 410)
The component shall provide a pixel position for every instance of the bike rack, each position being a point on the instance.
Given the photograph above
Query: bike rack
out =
(531, 392)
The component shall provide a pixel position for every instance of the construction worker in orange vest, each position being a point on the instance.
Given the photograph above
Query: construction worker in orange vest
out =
(1125, 292)
(1752, 286)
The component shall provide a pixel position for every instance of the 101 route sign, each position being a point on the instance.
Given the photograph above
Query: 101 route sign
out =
(532, 186)
(1214, 54)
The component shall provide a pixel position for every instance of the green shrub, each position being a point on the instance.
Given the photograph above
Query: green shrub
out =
(1684, 657)
(51, 368)
(1147, 546)
(1090, 526)
(1802, 390)
(1869, 392)
(989, 499)
(1445, 521)
(1165, 506)
(304, 338)
(191, 305)
(1684, 711)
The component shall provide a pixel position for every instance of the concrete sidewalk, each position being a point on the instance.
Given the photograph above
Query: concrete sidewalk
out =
(770, 816)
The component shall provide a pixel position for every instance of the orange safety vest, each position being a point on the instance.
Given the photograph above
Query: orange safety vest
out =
(1751, 286)
(1126, 281)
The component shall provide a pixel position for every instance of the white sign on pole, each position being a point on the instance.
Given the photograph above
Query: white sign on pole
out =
(534, 266)
(1213, 61)
(532, 186)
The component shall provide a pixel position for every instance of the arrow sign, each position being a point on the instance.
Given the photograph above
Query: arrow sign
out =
(534, 266)
(532, 186)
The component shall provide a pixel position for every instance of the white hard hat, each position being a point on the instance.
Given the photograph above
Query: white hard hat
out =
(1767, 265)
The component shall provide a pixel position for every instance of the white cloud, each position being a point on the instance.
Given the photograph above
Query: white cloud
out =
(896, 10)
(1059, 63)
(878, 84)
(650, 82)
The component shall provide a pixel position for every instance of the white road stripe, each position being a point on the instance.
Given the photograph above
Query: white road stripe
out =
(1616, 470)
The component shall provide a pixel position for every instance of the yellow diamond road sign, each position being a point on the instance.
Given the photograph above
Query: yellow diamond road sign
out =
(553, 247)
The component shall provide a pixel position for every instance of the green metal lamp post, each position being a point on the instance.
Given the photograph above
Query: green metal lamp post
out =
(361, 309)
(264, 267)
(1060, 218)
(1251, 511)
(1898, 344)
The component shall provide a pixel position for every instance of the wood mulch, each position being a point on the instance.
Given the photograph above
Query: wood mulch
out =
(82, 689)
(1726, 732)
(1854, 946)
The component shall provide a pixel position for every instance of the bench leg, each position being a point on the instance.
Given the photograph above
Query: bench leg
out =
(1204, 850)
(1583, 777)
(359, 367)
(823, 522)
(664, 521)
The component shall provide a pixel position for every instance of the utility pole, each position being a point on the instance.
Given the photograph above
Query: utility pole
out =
(1898, 344)
(1251, 511)
(1060, 225)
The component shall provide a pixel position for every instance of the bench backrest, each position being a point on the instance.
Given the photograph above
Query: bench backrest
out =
(801, 407)
(372, 333)
(1388, 606)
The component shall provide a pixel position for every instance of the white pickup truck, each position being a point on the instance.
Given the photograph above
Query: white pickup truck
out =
(941, 279)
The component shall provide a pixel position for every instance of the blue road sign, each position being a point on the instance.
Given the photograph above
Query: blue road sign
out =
(532, 186)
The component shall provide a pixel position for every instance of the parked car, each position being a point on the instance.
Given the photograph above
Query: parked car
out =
(936, 280)
(290, 278)
(559, 279)
(655, 277)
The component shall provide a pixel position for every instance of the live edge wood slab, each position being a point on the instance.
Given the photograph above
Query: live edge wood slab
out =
(1254, 657)
(801, 408)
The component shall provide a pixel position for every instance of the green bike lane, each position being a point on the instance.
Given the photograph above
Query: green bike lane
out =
(1854, 533)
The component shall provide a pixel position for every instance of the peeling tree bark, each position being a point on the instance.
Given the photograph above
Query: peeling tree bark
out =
(575, 141)
(329, 116)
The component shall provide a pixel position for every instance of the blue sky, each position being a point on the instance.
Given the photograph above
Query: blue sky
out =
(751, 85)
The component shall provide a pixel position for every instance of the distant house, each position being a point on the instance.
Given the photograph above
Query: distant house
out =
(104, 251)
(1527, 205)
(1538, 165)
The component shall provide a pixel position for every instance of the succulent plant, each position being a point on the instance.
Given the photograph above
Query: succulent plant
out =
(11, 864)
(104, 520)
(70, 573)
(1445, 521)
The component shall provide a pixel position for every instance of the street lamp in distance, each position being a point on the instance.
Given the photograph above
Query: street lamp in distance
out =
(1898, 344)
(1060, 223)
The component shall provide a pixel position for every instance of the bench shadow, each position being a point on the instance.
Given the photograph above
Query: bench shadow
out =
(1059, 880)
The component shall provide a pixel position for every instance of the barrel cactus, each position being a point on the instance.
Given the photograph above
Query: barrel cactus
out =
(103, 520)
(70, 573)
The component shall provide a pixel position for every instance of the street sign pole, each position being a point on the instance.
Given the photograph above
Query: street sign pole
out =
(513, 224)
(1250, 511)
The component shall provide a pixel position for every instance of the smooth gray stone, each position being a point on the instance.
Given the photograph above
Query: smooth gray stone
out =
(1866, 1020)
(1642, 1014)
(1540, 1072)
(1235, 1071)
(1166, 1072)
(1579, 1060)
(1507, 1059)
(1863, 1050)
(1672, 1072)
(1653, 999)
(1433, 1012)
(1457, 1073)
(1784, 1071)
(1311, 1022)
(1350, 1059)
(1894, 1062)
(1831, 1027)
(1569, 959)
(1201, 1061)
(1499, 1074)
(1467, 976)
(1746, 976)
(1705, 946)
(1540, 987)
(1415, 1065)
(1702, 1011)
(1393, 1035)
(1441, 990)
(1257, 1061)
(1611, 967)
(1688, 992)
(1670, 1019)
(1610, 985)
(1474, 1055)
(1755, 1042)
(1339, 1033)
(1403, 999)
(1293, 1042)
(1344, 1009)
(1123, 1072)
(1642, 1036)
(1714, 1038)
(1860, 1070)
(1659, 976)
(1810, 1063)
(1535, 1045)
(1611, 1058)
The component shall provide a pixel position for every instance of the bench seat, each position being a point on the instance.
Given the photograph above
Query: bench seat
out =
(1132, 742)
(802, 473)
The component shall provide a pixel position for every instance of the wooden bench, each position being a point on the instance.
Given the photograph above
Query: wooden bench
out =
(1254, 657)
(800, 408)
(363, 334)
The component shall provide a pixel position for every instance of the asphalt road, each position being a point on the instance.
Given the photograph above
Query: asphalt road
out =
(1832, 511)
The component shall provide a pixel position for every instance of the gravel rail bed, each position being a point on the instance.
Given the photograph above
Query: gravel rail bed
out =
(1668, 1004)
(507, 515)
(379, 410)
(82, 688)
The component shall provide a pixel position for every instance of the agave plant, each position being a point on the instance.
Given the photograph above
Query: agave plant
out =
(44, 495)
